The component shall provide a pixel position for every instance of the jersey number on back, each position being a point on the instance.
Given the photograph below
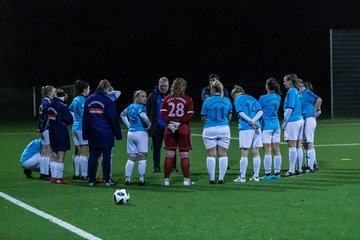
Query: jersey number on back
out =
(176, 110)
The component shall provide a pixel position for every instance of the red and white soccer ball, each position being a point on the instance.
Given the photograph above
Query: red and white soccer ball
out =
(121, 196)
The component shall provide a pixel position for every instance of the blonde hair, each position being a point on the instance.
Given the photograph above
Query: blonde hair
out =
(104, 85)
(47, 90)
(217, 87)
(236, 89)
(178, 87)
(137, 93)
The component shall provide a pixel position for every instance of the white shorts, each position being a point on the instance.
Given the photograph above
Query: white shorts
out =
(271, 136)
(250, 138)
(309, 129)
(78, 138)
(32, 163)
(294, 130)
(45, 139)
(137, 143)
(213, 136)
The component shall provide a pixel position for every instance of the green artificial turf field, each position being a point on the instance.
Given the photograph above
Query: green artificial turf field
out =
(320, 205)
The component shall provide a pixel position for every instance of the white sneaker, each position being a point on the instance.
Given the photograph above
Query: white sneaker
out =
(188, 182)
(239, 180)
(166, 182)
(255, 179)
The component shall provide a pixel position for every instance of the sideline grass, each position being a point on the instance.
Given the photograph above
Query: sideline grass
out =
(323, 205)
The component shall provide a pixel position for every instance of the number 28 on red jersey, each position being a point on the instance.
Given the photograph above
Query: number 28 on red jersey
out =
(177, 109)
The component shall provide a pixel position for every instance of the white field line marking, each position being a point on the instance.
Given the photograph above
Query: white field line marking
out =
(51, 218)
(316, 145)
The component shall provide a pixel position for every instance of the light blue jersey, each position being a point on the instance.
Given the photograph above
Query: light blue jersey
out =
(31, 149)
(133, 114)
(216, 111)
(308, 100)
(270, 104)
(248, 105)
(77, 107)
(292, 101)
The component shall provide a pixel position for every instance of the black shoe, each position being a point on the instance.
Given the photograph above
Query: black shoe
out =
(157, 170)
(141, 183)
(44, 177)
(212, 182)
(127, 182)
(76, 177)
(289, 174)
(84, 178)
(298, 172)
(316, 167)
(28, 173)
(220, 181)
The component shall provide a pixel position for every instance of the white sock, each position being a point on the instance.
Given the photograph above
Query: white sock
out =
(256, 165)
(53, 169)
(84, 165)
(46, 165)
(142, 169)
(277, 163)
(267, 163)
(292, 159)
(211, 164)
(243, 166)
(129, 168)
(311, 159)
(77, 162)
(42, 164)
(300, 155)
(60, 170)
(223, 164)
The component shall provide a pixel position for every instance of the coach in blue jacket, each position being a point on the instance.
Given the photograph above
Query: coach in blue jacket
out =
(100, 126)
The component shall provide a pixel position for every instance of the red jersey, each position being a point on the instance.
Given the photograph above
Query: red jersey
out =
(178, 109)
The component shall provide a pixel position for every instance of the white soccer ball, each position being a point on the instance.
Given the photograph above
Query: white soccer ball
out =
(121, 196)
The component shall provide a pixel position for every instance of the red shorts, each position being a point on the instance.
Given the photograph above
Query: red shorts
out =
(176, 140)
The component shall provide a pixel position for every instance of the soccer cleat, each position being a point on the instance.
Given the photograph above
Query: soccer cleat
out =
(254, 179)
(127, 181)
(211, 182)
(266, 177)
(289, 174)
(297, 172)
(220, 181)
(92, 184)
(309, 170)
(76, 177)
(84, 178)
(276, 176)
(141, 183)
(157, 170)
(44, 177)
(240, 180)
(188, 182)
(110, 183)
(53, 180)
(165, 182)
(28, 173)
(58, 181)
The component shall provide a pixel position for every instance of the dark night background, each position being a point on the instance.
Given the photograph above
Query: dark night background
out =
(134, 43)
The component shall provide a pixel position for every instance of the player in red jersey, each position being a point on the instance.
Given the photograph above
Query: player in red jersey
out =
(177, 109)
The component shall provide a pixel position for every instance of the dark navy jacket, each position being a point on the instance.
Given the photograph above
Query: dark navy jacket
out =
(100, 121)
(59, 117)
(43, 118)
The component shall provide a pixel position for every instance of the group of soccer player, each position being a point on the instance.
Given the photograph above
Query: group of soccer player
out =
(259, 126)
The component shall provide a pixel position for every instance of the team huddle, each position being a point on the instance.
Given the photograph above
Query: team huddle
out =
(165, 116)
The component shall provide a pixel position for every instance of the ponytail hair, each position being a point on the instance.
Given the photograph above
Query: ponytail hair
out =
(178, 87)
(292, 78)
(217, 87)
(273, 85)
(47, 90)
(236, 89)
(80, 86)
(104, 85)
(136, 94)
